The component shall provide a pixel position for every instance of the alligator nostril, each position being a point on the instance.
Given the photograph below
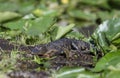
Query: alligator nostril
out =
(34, 50)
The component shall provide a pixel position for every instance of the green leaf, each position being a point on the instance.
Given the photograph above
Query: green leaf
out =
(23, 7)
(104, 15)
(69, 72)
(113, 74)
(40, 25)
(108, 31)
(76, 35)
(75, 72)
(63, 30)
(111, 58)
(6, 16)
(26, 7)
(16, 25)
(6, 6)
(82, 15)
(100, 3)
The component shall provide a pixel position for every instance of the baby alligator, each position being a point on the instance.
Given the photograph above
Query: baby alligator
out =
(64, 51)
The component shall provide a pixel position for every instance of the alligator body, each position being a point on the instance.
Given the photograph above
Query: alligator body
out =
(66, 52)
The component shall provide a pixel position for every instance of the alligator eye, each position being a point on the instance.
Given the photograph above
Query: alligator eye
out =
(74, 46)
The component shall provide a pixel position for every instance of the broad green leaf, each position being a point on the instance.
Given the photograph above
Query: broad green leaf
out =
(6, 16)
(23, 7)
(113, 74)
(17, 25)
(40, 25)
(76, 35)
(69, 72)
(84, 75)
(116, 42)
(104, 15)
(63, 30)
(82, 15)
(100, 3)
(111, 58)
(115, 68)
(108, 31)
(74, 72)
(93, 2)
(6, 6)
(26, 6)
